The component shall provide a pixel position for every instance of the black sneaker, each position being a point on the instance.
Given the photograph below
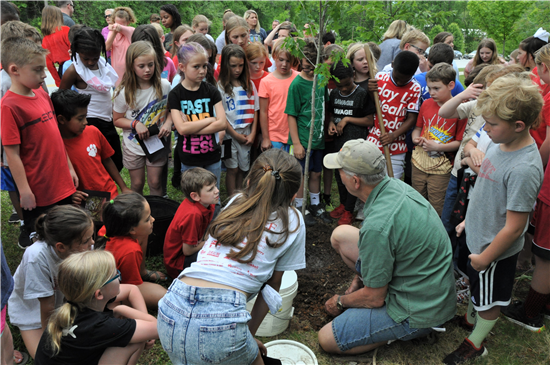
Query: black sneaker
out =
(14, 218)
(465, 352)
(460, 321)
(546, 312)
(319, 212)
(515, 313)
(309, 219)
(24, 238)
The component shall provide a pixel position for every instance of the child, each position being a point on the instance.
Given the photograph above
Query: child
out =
(86, 146)
(201, 24)
(435, 138)
(32, 147)
(211, 52)
(181, 35)
(356, 54)
(119, 38)
(256, 55)
(259, 234)
(169, 69)
(486, 53)
(203, 113)
(185, 236)
(90, 74)
(56, 40)
(240, 102)
(529, 314)
(128, 224)
(416, 42)
(351, 111)
(507, 186)
(84, 329)
(171, 19)
(140, 103)
(62, 231)
(399, 96)
(273, 95)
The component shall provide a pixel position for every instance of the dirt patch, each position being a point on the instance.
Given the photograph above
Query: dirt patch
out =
(325, 275)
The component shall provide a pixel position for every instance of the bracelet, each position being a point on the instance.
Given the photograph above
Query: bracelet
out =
(133, 125)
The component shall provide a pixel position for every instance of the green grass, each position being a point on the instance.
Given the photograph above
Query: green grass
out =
(507, 345)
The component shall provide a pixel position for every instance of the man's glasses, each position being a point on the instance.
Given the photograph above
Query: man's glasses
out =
(420, 50)
(117, 276)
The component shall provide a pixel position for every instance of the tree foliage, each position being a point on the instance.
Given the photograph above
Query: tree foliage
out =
(435, 31)
(458, 36)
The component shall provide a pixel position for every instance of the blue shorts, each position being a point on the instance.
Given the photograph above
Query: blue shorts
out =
(8, 184)
(315, 161)
(205, 325)
(280, 146)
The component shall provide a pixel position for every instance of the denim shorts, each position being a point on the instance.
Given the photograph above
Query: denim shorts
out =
(280, 146)
(205, 326)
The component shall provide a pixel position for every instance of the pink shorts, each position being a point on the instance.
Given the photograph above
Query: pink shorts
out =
(3, 320)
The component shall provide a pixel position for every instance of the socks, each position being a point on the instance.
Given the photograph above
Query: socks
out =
(314, 198)
(481, 330)
(471, 313)
(534, 302)
(299, 202)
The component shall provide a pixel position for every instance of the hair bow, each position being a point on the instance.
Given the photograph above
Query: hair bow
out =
(542, 34)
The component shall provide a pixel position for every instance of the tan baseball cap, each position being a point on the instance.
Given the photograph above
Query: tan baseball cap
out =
(358, 156)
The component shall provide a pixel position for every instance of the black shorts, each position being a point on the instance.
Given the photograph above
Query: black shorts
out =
(492, 286)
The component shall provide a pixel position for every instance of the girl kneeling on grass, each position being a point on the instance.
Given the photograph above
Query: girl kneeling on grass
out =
(84, 330)
(257, 237)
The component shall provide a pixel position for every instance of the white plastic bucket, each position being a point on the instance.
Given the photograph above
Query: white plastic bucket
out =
(291, 352)
(272, 325)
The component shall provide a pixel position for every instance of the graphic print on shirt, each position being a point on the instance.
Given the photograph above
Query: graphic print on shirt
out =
(196, 110)
(92, 150)
(395, 103)
(243, 107)
(440, 133)
(486, 170)
(153, 113)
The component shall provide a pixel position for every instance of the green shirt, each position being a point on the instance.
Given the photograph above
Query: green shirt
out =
(298, 104)
(404, 244)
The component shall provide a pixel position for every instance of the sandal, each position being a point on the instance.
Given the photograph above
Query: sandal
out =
(154, 276)
(22, 355)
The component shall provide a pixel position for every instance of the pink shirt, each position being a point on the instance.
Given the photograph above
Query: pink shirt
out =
(118, 51)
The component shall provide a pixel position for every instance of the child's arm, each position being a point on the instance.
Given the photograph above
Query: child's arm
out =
(365, 121)
(119, 120)
(467, 161)
(184, 126)
(69, 78)
(388, 138)
(219, 122)
(28, 201)
(299, 151)
(47, 306)
(264, 106)
(260, 308)
(146, 324)
(448, 110)
(515, 224)
(545, 148)
(115, 175)
(189, 250)
(252, 136)
(234, 135)
(130, 294)
(431, 145)
(74, 176)
(111, 37)
(470, 150)
(416, 135)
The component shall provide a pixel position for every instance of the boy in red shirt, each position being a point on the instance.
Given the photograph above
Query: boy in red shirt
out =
(184, 238)
(399, 97)
(36, 155)
(86, 146)
(435, 138)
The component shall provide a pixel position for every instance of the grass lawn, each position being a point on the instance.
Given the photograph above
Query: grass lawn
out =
(507, 344)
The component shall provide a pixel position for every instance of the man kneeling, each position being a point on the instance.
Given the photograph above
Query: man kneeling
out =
(402, 255)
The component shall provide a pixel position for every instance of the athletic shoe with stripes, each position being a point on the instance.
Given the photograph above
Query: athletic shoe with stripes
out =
(465, 352)
(515, 313)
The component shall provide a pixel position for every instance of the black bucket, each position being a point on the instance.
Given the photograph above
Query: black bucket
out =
(163, 210)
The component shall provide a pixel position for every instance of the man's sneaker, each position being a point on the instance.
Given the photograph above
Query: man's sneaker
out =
(465, 352)
(516, 313)
(24, 238)
(319, 212)
(14, 218)
(309, 220)
(337, 213)
(347, 218)
(460, 321)
(462, 296)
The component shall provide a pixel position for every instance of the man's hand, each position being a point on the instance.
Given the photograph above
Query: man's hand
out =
(331, 308)
(387, 139)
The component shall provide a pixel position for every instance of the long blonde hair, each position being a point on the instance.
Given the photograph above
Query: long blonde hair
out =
(543, 56)
(79, 276)
(273, 180)
(129, 81)
(52, 20)
(247, 15)
(354, 48)
(396, 30)
(181, 30)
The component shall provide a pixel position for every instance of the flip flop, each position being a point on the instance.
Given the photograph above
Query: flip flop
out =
(154, 276)
(24, 358)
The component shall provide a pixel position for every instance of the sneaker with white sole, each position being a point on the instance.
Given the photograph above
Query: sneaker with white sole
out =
(319, 212)
(462, 296)
(309, 220)
(515, 313)
(465, 352)
(14, 218)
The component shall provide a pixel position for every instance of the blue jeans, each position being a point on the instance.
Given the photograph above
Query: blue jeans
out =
(205, 325)
(450, 197)
(215, 168)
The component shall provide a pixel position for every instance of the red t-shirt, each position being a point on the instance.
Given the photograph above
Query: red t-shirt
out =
(128, 257)
(539, 134)
(395, 102)
(544, 88)
(58, 44)
(188, 227)
(87, 153)
(258, 81)
(30, 123)
(436, 128)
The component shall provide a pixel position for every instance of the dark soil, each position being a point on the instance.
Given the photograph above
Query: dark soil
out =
(325, 275)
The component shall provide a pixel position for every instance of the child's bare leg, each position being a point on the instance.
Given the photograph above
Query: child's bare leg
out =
(525, 255)
(31, 338)
(152, 293)
(541, 276)
(7, 345)
(14, 197)
(122, 355)
(240, 178)
(314, 182)
(327, 181)
(137, 180)
(300, 193)
(154, 180)
(231, 180)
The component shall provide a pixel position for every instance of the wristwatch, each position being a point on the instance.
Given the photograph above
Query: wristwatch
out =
(339, 303)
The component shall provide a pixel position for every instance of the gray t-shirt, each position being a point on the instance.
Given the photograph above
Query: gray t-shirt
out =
(68, 21)
(506, 181)
(390, 49)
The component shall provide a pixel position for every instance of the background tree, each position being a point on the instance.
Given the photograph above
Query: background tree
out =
(435, 31)
(458, 36)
